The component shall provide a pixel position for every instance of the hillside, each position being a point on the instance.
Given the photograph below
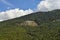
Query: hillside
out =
(48, 27)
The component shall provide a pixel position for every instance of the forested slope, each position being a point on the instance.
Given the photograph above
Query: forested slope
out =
(48, 27)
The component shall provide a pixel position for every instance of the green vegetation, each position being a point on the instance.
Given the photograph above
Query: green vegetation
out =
(48, 27)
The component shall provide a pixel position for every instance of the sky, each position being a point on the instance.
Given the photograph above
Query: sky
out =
(21, 4)
(10, 9)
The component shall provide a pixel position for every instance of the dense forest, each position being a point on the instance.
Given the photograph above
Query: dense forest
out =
(48, 27)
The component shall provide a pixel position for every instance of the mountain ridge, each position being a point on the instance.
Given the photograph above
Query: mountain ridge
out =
(36, 15)
(48, 27)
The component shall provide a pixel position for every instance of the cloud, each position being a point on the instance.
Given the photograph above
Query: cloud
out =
(48, 5)
(44, 5)
(13, 13)
(7, 3)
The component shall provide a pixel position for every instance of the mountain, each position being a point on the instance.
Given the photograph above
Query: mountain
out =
(48, 27)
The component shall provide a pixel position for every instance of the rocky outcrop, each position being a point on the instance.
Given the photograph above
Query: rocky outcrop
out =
(29, 23)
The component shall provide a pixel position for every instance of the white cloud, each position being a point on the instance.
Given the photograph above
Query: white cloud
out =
(13, 13)
(48, 5)
(44, 5)
(7, 3)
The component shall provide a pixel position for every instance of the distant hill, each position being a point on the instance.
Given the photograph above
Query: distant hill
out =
(39, 17)
(48, 27)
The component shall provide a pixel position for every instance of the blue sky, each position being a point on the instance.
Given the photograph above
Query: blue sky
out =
(10, 9)
(22, 4)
